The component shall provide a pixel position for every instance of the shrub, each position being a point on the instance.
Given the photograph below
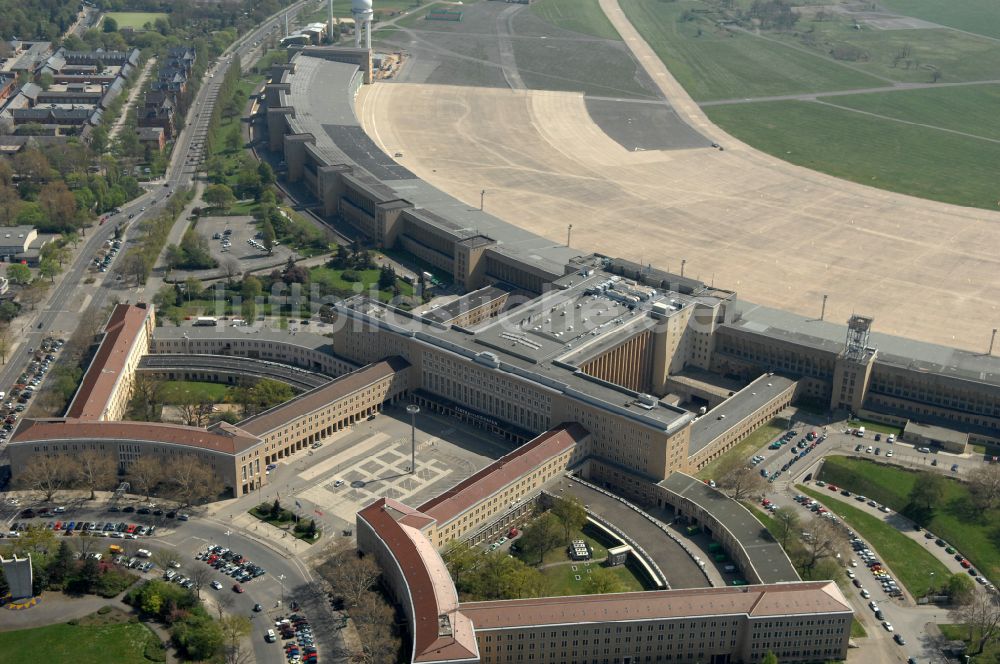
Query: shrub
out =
(154, 650)
(350, 275)
(104, 610)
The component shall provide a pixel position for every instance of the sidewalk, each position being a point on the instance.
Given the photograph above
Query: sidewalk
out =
(136, 89)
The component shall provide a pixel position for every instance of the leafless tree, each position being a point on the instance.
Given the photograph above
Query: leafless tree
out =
(145, 474)
(824, 542)
(48, 474)
(234, 630)
(374, 620)
(787, 522)
(165, 557)
(95, 470)
(350, 575)
(739, 480)
(145, 398)
(231, 266)
(981, 617)
(191, 480)
(223, 602)
(201, 575)
(984, 483)
(4, 342)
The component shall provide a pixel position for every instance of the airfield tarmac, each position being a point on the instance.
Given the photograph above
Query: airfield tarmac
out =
(778, 234)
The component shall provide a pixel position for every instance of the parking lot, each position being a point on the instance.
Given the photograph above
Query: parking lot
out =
(240, 230)
(17, 398)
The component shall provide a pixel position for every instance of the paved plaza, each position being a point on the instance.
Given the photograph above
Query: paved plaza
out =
(372, 460)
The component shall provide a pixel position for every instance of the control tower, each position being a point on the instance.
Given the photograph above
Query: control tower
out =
(362, 12)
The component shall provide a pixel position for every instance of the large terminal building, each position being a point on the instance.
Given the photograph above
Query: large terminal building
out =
(622, 375)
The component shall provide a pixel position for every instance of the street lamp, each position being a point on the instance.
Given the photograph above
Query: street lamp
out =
(229, 540)
(281, 580)
(413, 409)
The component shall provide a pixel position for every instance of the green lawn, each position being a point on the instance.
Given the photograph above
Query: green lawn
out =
(881, 153)
(897, 55)
(908, 559)
(971, 109)
(991, 654)
(970, 530)
(135, 20)
(562, 579)
(857, 629)
(121, 643)
(715, 63)
(180, 391)
(583, 16)
(978, 16)
(744, 450)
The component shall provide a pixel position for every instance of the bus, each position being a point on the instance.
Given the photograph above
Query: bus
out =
(206, 321)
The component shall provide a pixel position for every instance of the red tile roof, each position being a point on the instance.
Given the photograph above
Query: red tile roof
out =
(224, 438)
(502, 472)
(778, 599)
(431, 590)
(123, 328)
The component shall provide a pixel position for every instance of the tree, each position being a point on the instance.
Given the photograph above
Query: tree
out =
(787, 524)
(571, 514)
(769, 658)
(145, 404)
(541, 536)
(232, 268)
(48, 474)
(166, 557)
(223, 602)
(251, 289)
(461, 559)
(201, 575)
(276, 509)
(822, 543)
(267, 232)
(110, 24)
(10, 205)
(739, 480)
(960, 588)
(984, 484)
(58, 204)
(95, 470)
(234, 630)
(265, 173)
(386, 278)
(192, 481)
(62, 565)
(4, 341)
(351, 575)
(145, 473)
(374, 619)
(928, 492)
(981, 617)
(33, 293)
(260, 396)
(219, 196)
(48, 268)
(18, 274)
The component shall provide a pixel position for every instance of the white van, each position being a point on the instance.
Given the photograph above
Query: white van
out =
(860, 433)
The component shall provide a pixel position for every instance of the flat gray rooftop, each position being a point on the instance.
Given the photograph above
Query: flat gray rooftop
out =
(892, 350)
(766, 555)
(735, 409)
(223, 332)
(321, 93)
(549, 374)
(933, 432)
